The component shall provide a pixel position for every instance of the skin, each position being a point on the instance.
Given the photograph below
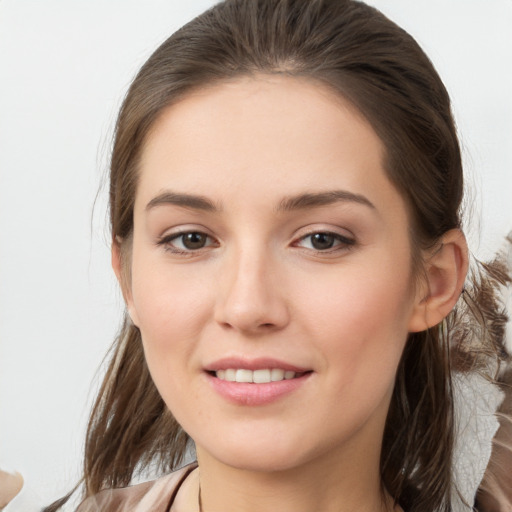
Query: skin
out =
(260, 288)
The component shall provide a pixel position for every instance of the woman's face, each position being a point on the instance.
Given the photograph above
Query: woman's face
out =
(269, 245)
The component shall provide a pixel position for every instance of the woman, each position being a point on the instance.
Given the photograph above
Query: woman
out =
(285, 192)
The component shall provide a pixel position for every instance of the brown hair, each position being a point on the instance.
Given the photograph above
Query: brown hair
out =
(360, 54)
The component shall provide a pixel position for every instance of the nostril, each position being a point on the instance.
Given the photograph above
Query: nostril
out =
(250, 313)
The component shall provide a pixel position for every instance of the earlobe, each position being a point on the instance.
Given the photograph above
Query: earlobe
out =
(445, 273)
(122, 277)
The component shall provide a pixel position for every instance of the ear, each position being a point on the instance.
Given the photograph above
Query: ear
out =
(122, 276)
(445, 273)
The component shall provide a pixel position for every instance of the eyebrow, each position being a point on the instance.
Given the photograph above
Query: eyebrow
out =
(195, 202)
(287, 204)
(316, 199)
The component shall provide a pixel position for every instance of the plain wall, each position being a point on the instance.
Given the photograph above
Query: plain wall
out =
(64, 69)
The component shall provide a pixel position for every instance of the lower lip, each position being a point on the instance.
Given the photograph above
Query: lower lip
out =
(246, 393)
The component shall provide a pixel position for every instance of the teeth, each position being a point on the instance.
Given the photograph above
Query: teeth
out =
(257, 376)
(277, 374)
(243, 376)
(261, 376)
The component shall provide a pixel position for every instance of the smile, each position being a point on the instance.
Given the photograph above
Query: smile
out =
(255, 382)
(261, 376)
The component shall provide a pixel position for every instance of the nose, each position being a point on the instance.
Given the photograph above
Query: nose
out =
(251, 297)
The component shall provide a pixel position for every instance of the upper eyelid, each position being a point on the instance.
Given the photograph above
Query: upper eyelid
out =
(334, 230)
(181, 229)
(347, 240)
(177, 234)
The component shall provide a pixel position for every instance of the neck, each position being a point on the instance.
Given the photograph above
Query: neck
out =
(322, 484)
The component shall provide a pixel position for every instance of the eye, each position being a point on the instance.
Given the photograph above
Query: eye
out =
(325, 241)
(186, 242)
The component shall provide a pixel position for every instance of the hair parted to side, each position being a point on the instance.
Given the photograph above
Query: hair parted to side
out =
(356, 51)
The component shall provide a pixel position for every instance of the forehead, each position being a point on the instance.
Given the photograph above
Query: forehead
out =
(267, 134)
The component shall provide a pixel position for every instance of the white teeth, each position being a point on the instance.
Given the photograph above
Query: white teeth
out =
(257, 376)
(276, 374)
(231, 375)
(261, 376)
(244, 376)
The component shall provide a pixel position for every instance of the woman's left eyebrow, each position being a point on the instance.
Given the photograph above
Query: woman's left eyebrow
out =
(316, 199)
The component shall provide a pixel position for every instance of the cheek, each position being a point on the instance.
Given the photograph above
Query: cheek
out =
(360, 298)
(171, 315)
(361, 323)
(171, 311)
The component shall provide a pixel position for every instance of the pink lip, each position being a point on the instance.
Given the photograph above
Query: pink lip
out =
(249, 394)
(252, 364)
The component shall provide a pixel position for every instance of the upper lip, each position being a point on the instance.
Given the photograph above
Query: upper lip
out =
(259, 363)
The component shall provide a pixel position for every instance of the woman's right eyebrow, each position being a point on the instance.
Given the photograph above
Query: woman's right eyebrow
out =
(196, 202)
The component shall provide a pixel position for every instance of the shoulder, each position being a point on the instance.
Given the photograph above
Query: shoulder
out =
(154, 496)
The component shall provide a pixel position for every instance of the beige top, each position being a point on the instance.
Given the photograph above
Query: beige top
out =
(155, 496)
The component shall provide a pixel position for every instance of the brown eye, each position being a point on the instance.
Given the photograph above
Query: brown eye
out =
(325, 241)
(193, 240)
(186, 242)
(322, 241)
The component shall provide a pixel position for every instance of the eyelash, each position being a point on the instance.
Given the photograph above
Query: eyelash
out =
(343, 243)
(166, 242)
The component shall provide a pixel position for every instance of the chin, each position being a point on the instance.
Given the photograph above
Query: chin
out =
(252, 461)
(267, 454)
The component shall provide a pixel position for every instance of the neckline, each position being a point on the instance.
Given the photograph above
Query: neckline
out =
(187, 470)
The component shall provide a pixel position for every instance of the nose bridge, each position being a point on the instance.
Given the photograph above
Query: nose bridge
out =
(250, 298)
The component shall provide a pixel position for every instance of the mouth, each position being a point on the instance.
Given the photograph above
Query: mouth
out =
(255, 382)
(260, 376)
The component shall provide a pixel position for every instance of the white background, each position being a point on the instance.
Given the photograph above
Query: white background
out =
(64, 67)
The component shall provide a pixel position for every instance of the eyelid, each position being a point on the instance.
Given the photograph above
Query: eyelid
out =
(346, 242)
(166, 239)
